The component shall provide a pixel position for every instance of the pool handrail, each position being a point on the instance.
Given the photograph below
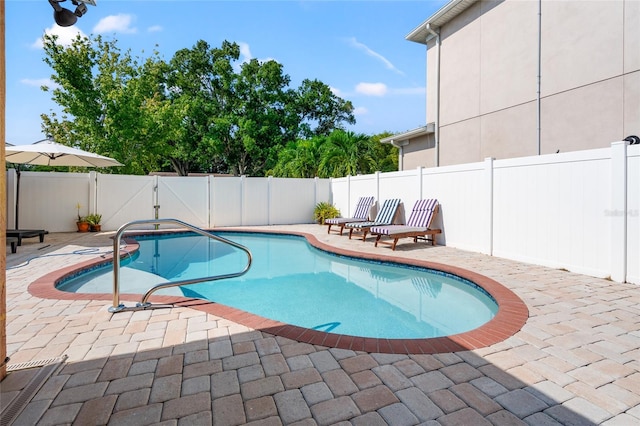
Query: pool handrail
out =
(117, 306)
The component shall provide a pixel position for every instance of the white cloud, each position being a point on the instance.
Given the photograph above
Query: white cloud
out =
(245, 52)
(336, 91)
(355, 43)
(39, 82)
(154, 29)
(246, 56)
(120, 23)
(65, 35)
(359, 111)
(372, 89)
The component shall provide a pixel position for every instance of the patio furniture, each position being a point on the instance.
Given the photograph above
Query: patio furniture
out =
(361, 214)
(418, 226)
(26, 233)
(385, 216)
(13, 241)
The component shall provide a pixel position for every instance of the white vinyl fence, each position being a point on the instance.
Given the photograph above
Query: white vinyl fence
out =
(47, 200)
(579, 211)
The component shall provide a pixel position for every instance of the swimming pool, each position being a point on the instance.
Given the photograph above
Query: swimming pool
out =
(294, 283)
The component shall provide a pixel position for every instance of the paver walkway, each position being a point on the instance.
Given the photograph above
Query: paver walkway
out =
(576, 360)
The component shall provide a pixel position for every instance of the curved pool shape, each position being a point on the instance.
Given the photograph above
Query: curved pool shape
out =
(295, 283)
(511, 312)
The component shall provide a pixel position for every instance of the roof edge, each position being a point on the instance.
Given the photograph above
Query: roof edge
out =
(398, 139)
(446, 13)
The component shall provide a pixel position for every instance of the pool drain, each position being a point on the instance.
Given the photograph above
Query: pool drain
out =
(15, 407)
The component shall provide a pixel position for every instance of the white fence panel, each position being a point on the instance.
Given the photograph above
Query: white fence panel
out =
(226, 201)
(633, 214)
(185, 198)
(403, 185)
(550, 210)
(255, 201)
(48, 200)
(291, 201)
(323, 190)
(462, 193)
(340, 195)
(346, 192)
(123, 198)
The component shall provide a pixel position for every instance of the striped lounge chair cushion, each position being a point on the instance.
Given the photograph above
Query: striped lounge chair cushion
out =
(384, 217)
(420, 219)
(361, 214)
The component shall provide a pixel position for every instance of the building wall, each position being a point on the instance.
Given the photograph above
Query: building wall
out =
(419, 153)
(590, 78)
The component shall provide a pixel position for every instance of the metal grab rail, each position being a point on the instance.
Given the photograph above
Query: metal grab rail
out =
(117, 306)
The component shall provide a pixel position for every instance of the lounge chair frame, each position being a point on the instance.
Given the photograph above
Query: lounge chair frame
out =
(361, 214)
(26, 233)
(411, 230)
(385, 216)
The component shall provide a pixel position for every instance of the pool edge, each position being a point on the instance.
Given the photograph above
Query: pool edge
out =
(511, 316)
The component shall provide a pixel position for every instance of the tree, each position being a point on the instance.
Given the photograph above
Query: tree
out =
(196, 112)
(385, 156)
(111, 103)
(346, 153)
(300, 159)
(318, 104)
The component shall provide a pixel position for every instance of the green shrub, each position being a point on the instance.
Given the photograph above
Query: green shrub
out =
(325, 210)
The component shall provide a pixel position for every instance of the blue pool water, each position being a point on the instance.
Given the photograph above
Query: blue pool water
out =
(292, 282)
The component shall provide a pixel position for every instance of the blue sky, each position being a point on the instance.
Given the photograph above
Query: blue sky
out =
(358, 48)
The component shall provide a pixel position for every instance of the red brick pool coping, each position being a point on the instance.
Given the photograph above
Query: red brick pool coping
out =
(511, 316)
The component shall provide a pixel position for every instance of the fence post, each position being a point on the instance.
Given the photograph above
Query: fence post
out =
(269, 195)
(618, 212)
(377, 175)
(93, 192)
(488, 208)
(243, 183)
(419, 174)
(348, 196)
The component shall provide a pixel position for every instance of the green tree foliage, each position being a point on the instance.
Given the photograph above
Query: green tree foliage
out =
(300, 159)
(112, 103)
(346, 153)
(385, 155)
(339, 154)
(201, 111)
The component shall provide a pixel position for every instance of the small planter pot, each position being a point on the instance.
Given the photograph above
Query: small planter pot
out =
(95, 228)
(83, 226)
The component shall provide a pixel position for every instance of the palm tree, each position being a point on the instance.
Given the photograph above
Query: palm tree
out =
(299, 159)
(346, 153)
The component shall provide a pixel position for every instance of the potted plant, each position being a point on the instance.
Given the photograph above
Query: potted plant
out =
(324, 210)
(81, 222)
(94, 222)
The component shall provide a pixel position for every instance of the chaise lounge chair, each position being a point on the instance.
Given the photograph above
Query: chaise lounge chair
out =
(384, 217)
(13, 242)
(418, 225)
(361, 215)
(26, 233)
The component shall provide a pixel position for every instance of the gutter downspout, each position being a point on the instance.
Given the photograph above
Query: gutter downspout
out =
(436, 34)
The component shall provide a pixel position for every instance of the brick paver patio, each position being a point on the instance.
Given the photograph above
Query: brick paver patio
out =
(575, 361)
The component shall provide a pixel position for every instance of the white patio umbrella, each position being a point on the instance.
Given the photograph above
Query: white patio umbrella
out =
(49, 153)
